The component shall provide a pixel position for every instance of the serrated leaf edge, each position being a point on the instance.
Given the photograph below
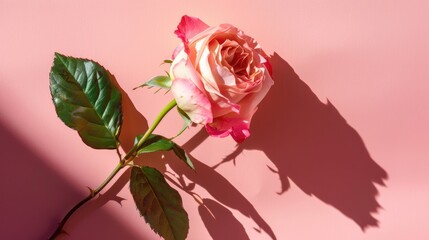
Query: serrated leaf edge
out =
(61, 58)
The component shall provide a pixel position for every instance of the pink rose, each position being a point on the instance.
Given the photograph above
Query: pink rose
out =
(220, 75)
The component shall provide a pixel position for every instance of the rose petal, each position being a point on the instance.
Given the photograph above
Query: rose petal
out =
(252, 100)
(182, 68)
(220, 75)
(224, 126)
(192, 101)
(265, 61)
(240, 132)
(176, 51)
(188, 28)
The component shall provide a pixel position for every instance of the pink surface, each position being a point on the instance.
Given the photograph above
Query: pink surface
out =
(348, 112)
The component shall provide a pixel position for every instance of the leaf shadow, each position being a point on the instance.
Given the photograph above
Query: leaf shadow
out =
(223, 192)
(220, 222)
(134, 123)
(310, 143)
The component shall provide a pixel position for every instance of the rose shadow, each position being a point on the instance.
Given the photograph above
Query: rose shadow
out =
(134, 123)
(311, 144)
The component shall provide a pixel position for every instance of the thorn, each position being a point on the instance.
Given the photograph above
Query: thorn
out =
(116, 199)
(91, 191)
(141, 86)
(272, 169)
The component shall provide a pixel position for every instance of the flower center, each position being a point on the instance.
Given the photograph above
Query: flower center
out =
(236, 58)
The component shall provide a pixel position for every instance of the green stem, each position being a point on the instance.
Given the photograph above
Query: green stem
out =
(91, 195)
(128, 158)
(130, 155)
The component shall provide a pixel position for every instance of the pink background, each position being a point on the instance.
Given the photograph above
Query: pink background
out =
(339, 148)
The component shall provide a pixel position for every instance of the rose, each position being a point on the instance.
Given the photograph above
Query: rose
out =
(219, 76)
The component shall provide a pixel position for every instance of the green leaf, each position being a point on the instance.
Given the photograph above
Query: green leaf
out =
(158, 81)
(159, 204)
(86, 100)
(181, 153)
(184, 116)
(186, 119)
(156, 143)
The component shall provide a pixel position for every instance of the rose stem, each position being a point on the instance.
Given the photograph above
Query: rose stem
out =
(128, 158)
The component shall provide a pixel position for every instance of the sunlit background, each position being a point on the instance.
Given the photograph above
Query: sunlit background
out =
(354, 115)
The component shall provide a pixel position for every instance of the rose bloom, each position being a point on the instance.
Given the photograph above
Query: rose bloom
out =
(219, 76)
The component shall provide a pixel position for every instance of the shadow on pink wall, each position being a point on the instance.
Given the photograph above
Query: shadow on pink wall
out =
(310, 143)
(219, 221)
(34, 198)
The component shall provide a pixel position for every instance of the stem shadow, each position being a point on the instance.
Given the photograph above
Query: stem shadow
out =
(134, 123)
